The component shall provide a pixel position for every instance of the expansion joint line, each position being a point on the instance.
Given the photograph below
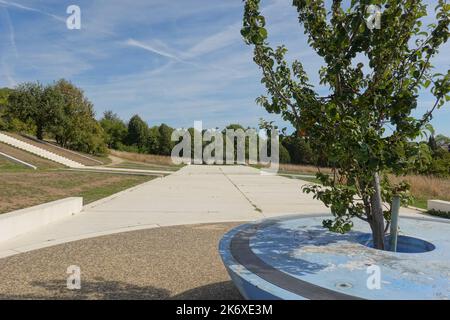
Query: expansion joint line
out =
(256, 208)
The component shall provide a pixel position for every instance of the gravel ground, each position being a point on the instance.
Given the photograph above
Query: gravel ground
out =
(163, 263)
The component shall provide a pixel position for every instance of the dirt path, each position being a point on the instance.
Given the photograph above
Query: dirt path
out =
(114, 160)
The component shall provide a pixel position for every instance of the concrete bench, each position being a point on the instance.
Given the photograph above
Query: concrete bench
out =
(20, 222)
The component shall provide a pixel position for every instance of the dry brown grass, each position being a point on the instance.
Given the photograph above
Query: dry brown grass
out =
(298, 168)
(145, 158)
(422, 187)
(426, 187)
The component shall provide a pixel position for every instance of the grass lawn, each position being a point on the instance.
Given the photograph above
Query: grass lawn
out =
(7, 165)
(420, 203)
(21, 188)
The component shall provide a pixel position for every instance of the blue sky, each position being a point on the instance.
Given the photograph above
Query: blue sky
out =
(169, 61)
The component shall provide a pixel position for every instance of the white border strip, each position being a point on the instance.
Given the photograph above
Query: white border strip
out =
(19, 161)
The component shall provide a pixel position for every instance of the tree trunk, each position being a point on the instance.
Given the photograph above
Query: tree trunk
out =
(377, 217)
(40, 132)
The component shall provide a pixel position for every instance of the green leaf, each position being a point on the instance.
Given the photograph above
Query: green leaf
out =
(263, 33)
(430, 128)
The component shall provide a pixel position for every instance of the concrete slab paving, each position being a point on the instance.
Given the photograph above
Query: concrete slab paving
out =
(192, 195)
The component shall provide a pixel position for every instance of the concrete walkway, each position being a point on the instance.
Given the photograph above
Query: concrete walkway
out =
(192, 195)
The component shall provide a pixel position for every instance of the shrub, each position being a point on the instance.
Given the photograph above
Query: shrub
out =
(438, 213)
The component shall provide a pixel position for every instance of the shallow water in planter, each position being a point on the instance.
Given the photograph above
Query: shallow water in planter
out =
(405, 244)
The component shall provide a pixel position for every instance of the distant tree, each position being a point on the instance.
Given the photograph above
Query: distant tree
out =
(442, 140)
(137, 133)
(432, 143)
(284, 155)
(115, 129)
(75, 125)
(269, 127)
(36, 103)
(165, 142)
(235, 127)
(299, 150)
(4, 94)
(153, 140)
(439, 164)
(192, 133)
(350, 123)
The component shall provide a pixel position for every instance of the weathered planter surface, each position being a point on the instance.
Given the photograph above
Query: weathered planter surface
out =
(296, 258)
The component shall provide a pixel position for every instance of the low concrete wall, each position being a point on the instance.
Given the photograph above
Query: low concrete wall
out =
(20, 222)
(439, 205)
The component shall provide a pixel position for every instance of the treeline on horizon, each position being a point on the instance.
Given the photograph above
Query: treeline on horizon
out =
(136, 136)
(61, 111)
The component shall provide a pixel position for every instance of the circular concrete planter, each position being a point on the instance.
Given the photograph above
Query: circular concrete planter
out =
(296, 258)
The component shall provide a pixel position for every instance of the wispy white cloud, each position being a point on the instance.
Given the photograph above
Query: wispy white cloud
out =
(153, 49)
(26, 8)
(170, 61)
(222, 39)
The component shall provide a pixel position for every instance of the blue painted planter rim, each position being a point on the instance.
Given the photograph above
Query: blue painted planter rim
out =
(239, 251)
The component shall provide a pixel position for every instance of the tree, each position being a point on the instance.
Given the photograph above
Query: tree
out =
(299, 150)
(137, 133)
(75, 125)
(153, 140)
(34, 102)
(4, 121)
(442, 140)
(115, 129)
(374, 77)
(285, 157)
(440, 162)
(432, 143)
(165, 140)
(4, 94)
(60, 110)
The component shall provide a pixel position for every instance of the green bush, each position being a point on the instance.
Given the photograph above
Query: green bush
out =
(438, 213)
(299, 150)
(440, 165)
(284, 155)
(127, 148)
